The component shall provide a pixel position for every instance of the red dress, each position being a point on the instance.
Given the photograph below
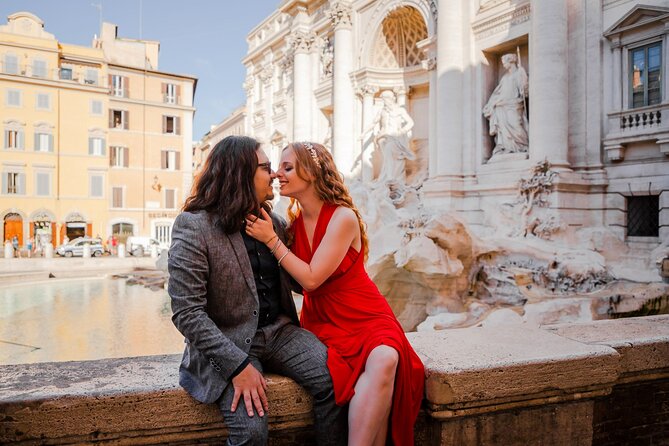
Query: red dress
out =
(351, 317)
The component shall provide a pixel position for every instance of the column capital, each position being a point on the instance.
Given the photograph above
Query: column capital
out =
(429, 64)
(341, 14)
(367, 90)
(301, 41)
(265, 74)
(248, 84)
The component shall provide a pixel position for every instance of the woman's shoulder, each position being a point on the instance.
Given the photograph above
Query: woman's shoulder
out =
(345, 216)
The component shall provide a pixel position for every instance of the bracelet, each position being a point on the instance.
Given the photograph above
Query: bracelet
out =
(270, 240)
(276, 245)
(287, 252)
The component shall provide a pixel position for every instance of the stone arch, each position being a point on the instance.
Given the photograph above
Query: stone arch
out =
(42, 212)
(375, 23)
(17, 228)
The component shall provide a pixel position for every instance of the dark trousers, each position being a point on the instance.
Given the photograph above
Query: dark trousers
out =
(288, 350)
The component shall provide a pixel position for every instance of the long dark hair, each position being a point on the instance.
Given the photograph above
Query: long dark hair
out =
(225, 185)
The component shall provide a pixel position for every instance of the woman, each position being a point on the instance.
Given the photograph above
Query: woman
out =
(372, 364)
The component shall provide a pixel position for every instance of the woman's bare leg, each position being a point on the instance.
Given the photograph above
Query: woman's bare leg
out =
(370, 406)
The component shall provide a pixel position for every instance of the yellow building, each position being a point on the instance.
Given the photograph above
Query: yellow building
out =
(96, 140)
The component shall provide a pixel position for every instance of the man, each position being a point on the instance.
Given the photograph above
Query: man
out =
(233, 303)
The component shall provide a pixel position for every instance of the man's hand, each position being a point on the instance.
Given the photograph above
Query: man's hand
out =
(251, 385)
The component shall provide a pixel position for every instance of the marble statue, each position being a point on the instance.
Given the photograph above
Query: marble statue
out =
(392, 132)
(327, 58)
(506, 109)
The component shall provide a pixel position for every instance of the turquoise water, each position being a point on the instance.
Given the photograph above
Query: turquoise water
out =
(81, 319)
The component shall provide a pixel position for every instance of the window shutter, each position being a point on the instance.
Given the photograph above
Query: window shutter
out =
(164, 124)
(90, 145)
(126, 119)
(21, 139)
(111, 119)
(177, 126)
(112, 156)
(177, 159)
(110, 82)
(37, 146)
(163, 159)
(126, 157)
(50, 143)
(104, 147)
(163, 89)
(4, 182)
(126, 86)
(178, 93)
(22, 183)
(6, 139)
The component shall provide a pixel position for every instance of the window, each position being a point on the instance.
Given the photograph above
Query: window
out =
(119, 85)
(117, 197)
(96, 108)
(43, 142)
(118, 119)
(169, 160)
(13, 98)
(11, 64)
(66, 73)
(645, 79)
(118, 156)
(96, 146)
(171, 125)
(91, 76)
(43, 184)
(14, 139)
(163, 233)
(39, 68)
(643, 216)
(13, 183)
(170, 198)
(96, 186)
(170, 93)
(43, 101)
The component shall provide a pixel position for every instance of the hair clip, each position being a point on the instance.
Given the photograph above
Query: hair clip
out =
(313, 154)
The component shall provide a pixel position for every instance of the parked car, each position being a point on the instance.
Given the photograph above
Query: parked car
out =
(140, 246)
(76, 247)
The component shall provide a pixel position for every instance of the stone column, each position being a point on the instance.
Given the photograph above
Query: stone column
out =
(430, 65)
(343, 96)
(449, 88)
(617, 75)
(367, 93)
(301, 43)
(549, 83)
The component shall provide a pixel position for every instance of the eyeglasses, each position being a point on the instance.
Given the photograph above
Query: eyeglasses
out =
(266, 166)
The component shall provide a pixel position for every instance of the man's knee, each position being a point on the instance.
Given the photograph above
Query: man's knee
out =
(253, 431)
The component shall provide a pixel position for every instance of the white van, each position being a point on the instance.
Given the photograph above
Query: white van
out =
(140, 246)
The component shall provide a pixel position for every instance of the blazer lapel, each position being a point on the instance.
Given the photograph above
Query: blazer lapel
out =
(238, 246)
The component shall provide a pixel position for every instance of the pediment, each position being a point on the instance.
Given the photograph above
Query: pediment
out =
(26, 24)
(640, 15)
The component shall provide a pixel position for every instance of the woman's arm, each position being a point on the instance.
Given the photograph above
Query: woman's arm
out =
(341, 232)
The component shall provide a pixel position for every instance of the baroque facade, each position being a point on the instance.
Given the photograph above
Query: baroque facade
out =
(97, 140)
(595, 109)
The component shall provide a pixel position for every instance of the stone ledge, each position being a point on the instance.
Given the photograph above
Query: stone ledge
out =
(472, 374)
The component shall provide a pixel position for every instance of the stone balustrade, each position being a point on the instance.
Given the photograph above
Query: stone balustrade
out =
(598, 383)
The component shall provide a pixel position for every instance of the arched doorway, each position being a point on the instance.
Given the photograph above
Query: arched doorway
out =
(43, 228)
(75, 226)
(13, 226)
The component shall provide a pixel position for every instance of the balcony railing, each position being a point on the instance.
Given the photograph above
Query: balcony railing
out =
(636, 125)
(171, 99)
(54, 74)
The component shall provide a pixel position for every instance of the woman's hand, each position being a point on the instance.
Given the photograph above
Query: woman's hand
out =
(260, 228)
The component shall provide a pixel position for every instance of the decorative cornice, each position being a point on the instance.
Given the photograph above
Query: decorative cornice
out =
(434, 9)
(341, 14)
(367, 90)
(502, 22)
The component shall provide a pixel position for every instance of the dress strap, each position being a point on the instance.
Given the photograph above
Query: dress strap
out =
(324, 218)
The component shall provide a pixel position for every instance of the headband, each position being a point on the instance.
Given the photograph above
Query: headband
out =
(313, 154)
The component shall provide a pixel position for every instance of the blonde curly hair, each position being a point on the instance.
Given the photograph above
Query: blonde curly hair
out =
(314, 161)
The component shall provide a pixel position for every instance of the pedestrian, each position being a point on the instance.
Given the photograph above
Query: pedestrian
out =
(15, 245)
(114, 244)
(31, 243)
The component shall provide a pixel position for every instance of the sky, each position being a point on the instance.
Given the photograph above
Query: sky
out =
(203, 38)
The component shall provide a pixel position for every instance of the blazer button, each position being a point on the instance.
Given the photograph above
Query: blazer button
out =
(247, 340)
(255, 312)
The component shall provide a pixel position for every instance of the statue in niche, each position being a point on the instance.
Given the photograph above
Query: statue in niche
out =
(506, 109)
(392, 132)
(327, 58)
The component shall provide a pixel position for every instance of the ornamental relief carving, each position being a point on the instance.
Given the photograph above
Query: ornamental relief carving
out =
(502, 22)
(301, 41)
(340, 14)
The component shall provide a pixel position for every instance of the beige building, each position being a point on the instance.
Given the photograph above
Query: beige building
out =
(96, 140)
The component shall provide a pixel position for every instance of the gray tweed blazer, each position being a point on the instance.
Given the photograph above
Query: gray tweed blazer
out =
(214, 301)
